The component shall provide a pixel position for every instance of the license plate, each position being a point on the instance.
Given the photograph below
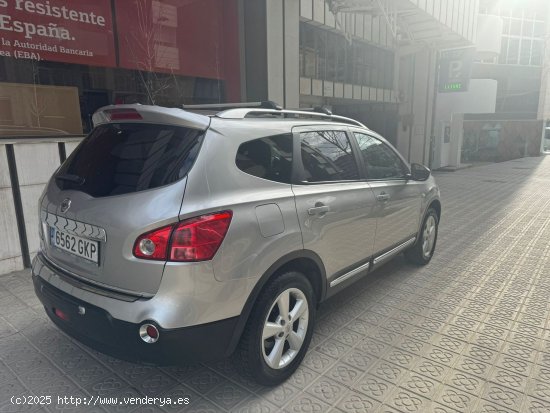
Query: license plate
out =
(81, 247)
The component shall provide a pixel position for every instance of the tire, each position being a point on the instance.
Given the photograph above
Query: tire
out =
(422, 253)
(256, 359)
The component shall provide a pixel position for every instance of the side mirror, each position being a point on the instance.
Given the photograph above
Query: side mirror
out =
(419, 172)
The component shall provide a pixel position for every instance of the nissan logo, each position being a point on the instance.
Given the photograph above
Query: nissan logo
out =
(65, 205)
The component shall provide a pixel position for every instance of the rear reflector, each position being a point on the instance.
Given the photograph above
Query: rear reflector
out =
(61, 314)
(195, 239)
(149, 333)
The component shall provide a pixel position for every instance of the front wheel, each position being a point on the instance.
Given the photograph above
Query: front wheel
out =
(423, 250)
(279, 330)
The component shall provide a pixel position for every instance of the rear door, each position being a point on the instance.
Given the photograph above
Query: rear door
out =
(398, 199)
(123, 180)
(335, 207)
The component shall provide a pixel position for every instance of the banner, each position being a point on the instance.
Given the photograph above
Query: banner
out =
(58, 30)
(183, 38)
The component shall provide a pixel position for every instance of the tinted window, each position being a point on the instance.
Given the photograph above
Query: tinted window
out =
(380, 160)
(268, 158)
(130, 157)
(327, 156)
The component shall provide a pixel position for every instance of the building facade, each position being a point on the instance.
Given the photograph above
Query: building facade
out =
(373, 60)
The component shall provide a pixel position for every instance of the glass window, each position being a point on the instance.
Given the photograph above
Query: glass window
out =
(536, 53)
(515, 27)
(513, 51)
(525, 53)
(321, 48)
(527, 30)
(268, 158)
(506, 28)
(327, 156)
(503, 51)
(539, 29)
(330, 56)
(380, 160)
(122, 158)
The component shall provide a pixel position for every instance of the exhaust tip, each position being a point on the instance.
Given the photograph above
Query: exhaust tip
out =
(149, 333)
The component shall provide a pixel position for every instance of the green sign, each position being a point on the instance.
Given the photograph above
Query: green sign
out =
(455, 68)
(453, 87)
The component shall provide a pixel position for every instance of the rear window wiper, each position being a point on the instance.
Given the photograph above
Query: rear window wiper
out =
(75, 179)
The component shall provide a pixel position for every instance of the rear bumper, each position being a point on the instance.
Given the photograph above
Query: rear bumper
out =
(99, 330)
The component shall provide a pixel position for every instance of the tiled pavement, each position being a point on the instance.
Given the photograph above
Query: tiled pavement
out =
(468, 333)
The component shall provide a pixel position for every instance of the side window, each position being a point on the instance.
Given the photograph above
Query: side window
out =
(268, 158)
(380, 160)
(327, 156)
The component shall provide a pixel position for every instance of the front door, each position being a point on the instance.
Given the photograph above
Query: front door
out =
(335, 207)
(398, 199)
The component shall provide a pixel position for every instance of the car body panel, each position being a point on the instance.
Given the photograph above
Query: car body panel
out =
(123, 218)
(399, 215)
(271, 227)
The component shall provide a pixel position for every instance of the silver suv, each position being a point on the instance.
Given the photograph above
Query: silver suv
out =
(170, 235)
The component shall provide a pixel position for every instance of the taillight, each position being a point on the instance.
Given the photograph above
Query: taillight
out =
(153, 245)
(195, 239)
(123, 114)
(198, 239)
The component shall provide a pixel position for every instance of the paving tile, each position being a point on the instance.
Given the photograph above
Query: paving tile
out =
(327, 390)
(502, 396)
(304, 403)
(456, 399)
(344, 373)
(227, 394)
(373, 386)
(357, 402)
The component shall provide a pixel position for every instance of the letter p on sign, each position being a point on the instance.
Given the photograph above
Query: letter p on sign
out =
(455, 69)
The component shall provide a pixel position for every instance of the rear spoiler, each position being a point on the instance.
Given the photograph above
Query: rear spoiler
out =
(150, 114)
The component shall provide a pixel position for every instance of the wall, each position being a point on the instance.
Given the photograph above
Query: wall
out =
(35, 160)
(416, 97)
(489, 35)
(271, 39)
(500, 140)
(480, 98)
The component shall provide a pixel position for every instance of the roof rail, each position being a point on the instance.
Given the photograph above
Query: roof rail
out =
(318, 109)
(267, 104)
(247, 112)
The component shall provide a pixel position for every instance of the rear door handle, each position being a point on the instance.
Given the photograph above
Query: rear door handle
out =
(318, 210)
(383, 197)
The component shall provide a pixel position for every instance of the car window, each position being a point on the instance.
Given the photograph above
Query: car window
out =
(122, 158)
(380, 160)
(327, 156)
(267, 158)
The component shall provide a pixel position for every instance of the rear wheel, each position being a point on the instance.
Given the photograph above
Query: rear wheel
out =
(422, 251)
(279, 330)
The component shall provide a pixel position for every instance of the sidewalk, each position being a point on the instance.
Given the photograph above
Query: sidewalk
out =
(469, 332)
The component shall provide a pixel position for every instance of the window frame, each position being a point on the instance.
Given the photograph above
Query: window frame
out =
(293, 153)
(298, 170)
(404, 164)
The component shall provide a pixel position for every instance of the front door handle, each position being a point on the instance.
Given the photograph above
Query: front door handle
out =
(318, 209)
(383, 197)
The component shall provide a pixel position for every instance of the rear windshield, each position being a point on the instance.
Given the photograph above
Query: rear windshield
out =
(123, 158)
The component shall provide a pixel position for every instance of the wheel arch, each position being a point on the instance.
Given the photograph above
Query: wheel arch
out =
(435, 204)
(304, 261)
